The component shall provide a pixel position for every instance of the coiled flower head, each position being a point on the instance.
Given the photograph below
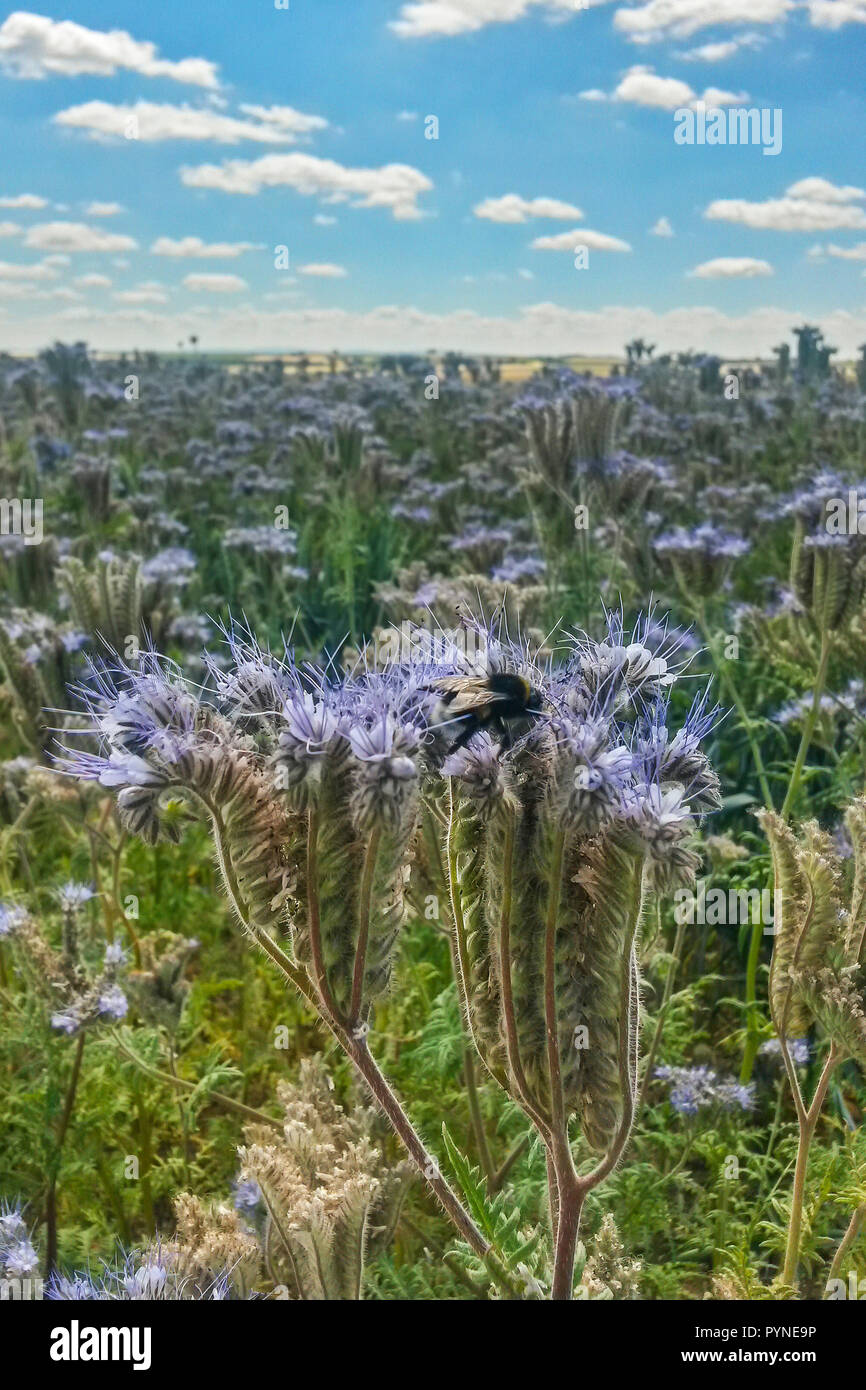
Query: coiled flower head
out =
(596, 800)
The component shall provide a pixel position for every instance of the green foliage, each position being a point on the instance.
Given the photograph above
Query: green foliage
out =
(514, 1263)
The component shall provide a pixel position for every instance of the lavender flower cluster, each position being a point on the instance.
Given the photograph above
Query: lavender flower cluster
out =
(696, 1088)
(604, 731)
(18, 1258)
(79, 997)
(149, 1275)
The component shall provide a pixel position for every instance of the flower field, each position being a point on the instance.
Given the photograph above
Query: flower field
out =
(432, 826)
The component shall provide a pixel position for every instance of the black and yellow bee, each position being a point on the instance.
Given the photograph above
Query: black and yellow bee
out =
(474, 703)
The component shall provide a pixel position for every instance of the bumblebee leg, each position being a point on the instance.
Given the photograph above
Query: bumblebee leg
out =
(464, 736)
(504, 731)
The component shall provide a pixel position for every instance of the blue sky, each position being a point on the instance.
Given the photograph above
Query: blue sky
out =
(556, 125)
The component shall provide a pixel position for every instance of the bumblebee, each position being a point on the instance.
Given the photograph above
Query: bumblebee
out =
(474, 703)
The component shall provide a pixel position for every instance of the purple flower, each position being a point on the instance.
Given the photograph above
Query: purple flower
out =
(18, 1259)
(513, 569)
(136, 713)
(797, 1047)
(385, 773)
(77, 1288)
(248, 1195)
(113, 1003)
(12, 918)
(171, 566)
(598, 769)
(74, 895)
(695, 1088)
(707, 540)
(66, 1021)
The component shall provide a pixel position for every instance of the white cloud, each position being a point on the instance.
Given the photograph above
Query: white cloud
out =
(714, 97)
(8, 229)
(193, 247)
(538, 329)
(731, 268)
(512, 208)
(26, 290)
(149, 293)
(824, 191)
(662, 228)
(661, 19)
(35, 271)
(93, 282)
(104, 209)
(76, 236)
(34, 46)
(832, 14)
(322, 219)
(581, 236)
(711, 52)
(407, 115)
(394, 186)
(445, 18)
(811, 205)
(151, 121)
(215, 284)
(24, 200)
(526, 274)
(593, 94)
(644, 87)
(286, 118)
(323, 270)
(722, 49)
(848, 253)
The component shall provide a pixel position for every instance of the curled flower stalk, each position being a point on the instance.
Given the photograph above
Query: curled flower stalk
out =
(553, 846)
(816, 974)
(828, 579)
(310, 789)
(313, 787)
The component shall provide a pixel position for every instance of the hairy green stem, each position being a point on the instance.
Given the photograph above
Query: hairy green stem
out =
(353, 1046)
(809, 726)
(521, 1086)
(807, 1123)
(851, 1233)
(59, 1140)
(462, 972)
(478, 1129)
(753, 1036)
(730, 685)
(670, 980)
(572, 1189)
(363, 1059)
(366, 893)
(557, 1106)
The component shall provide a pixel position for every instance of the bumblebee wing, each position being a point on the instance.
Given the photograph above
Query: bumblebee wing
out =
(452, 684)
(464, 695)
